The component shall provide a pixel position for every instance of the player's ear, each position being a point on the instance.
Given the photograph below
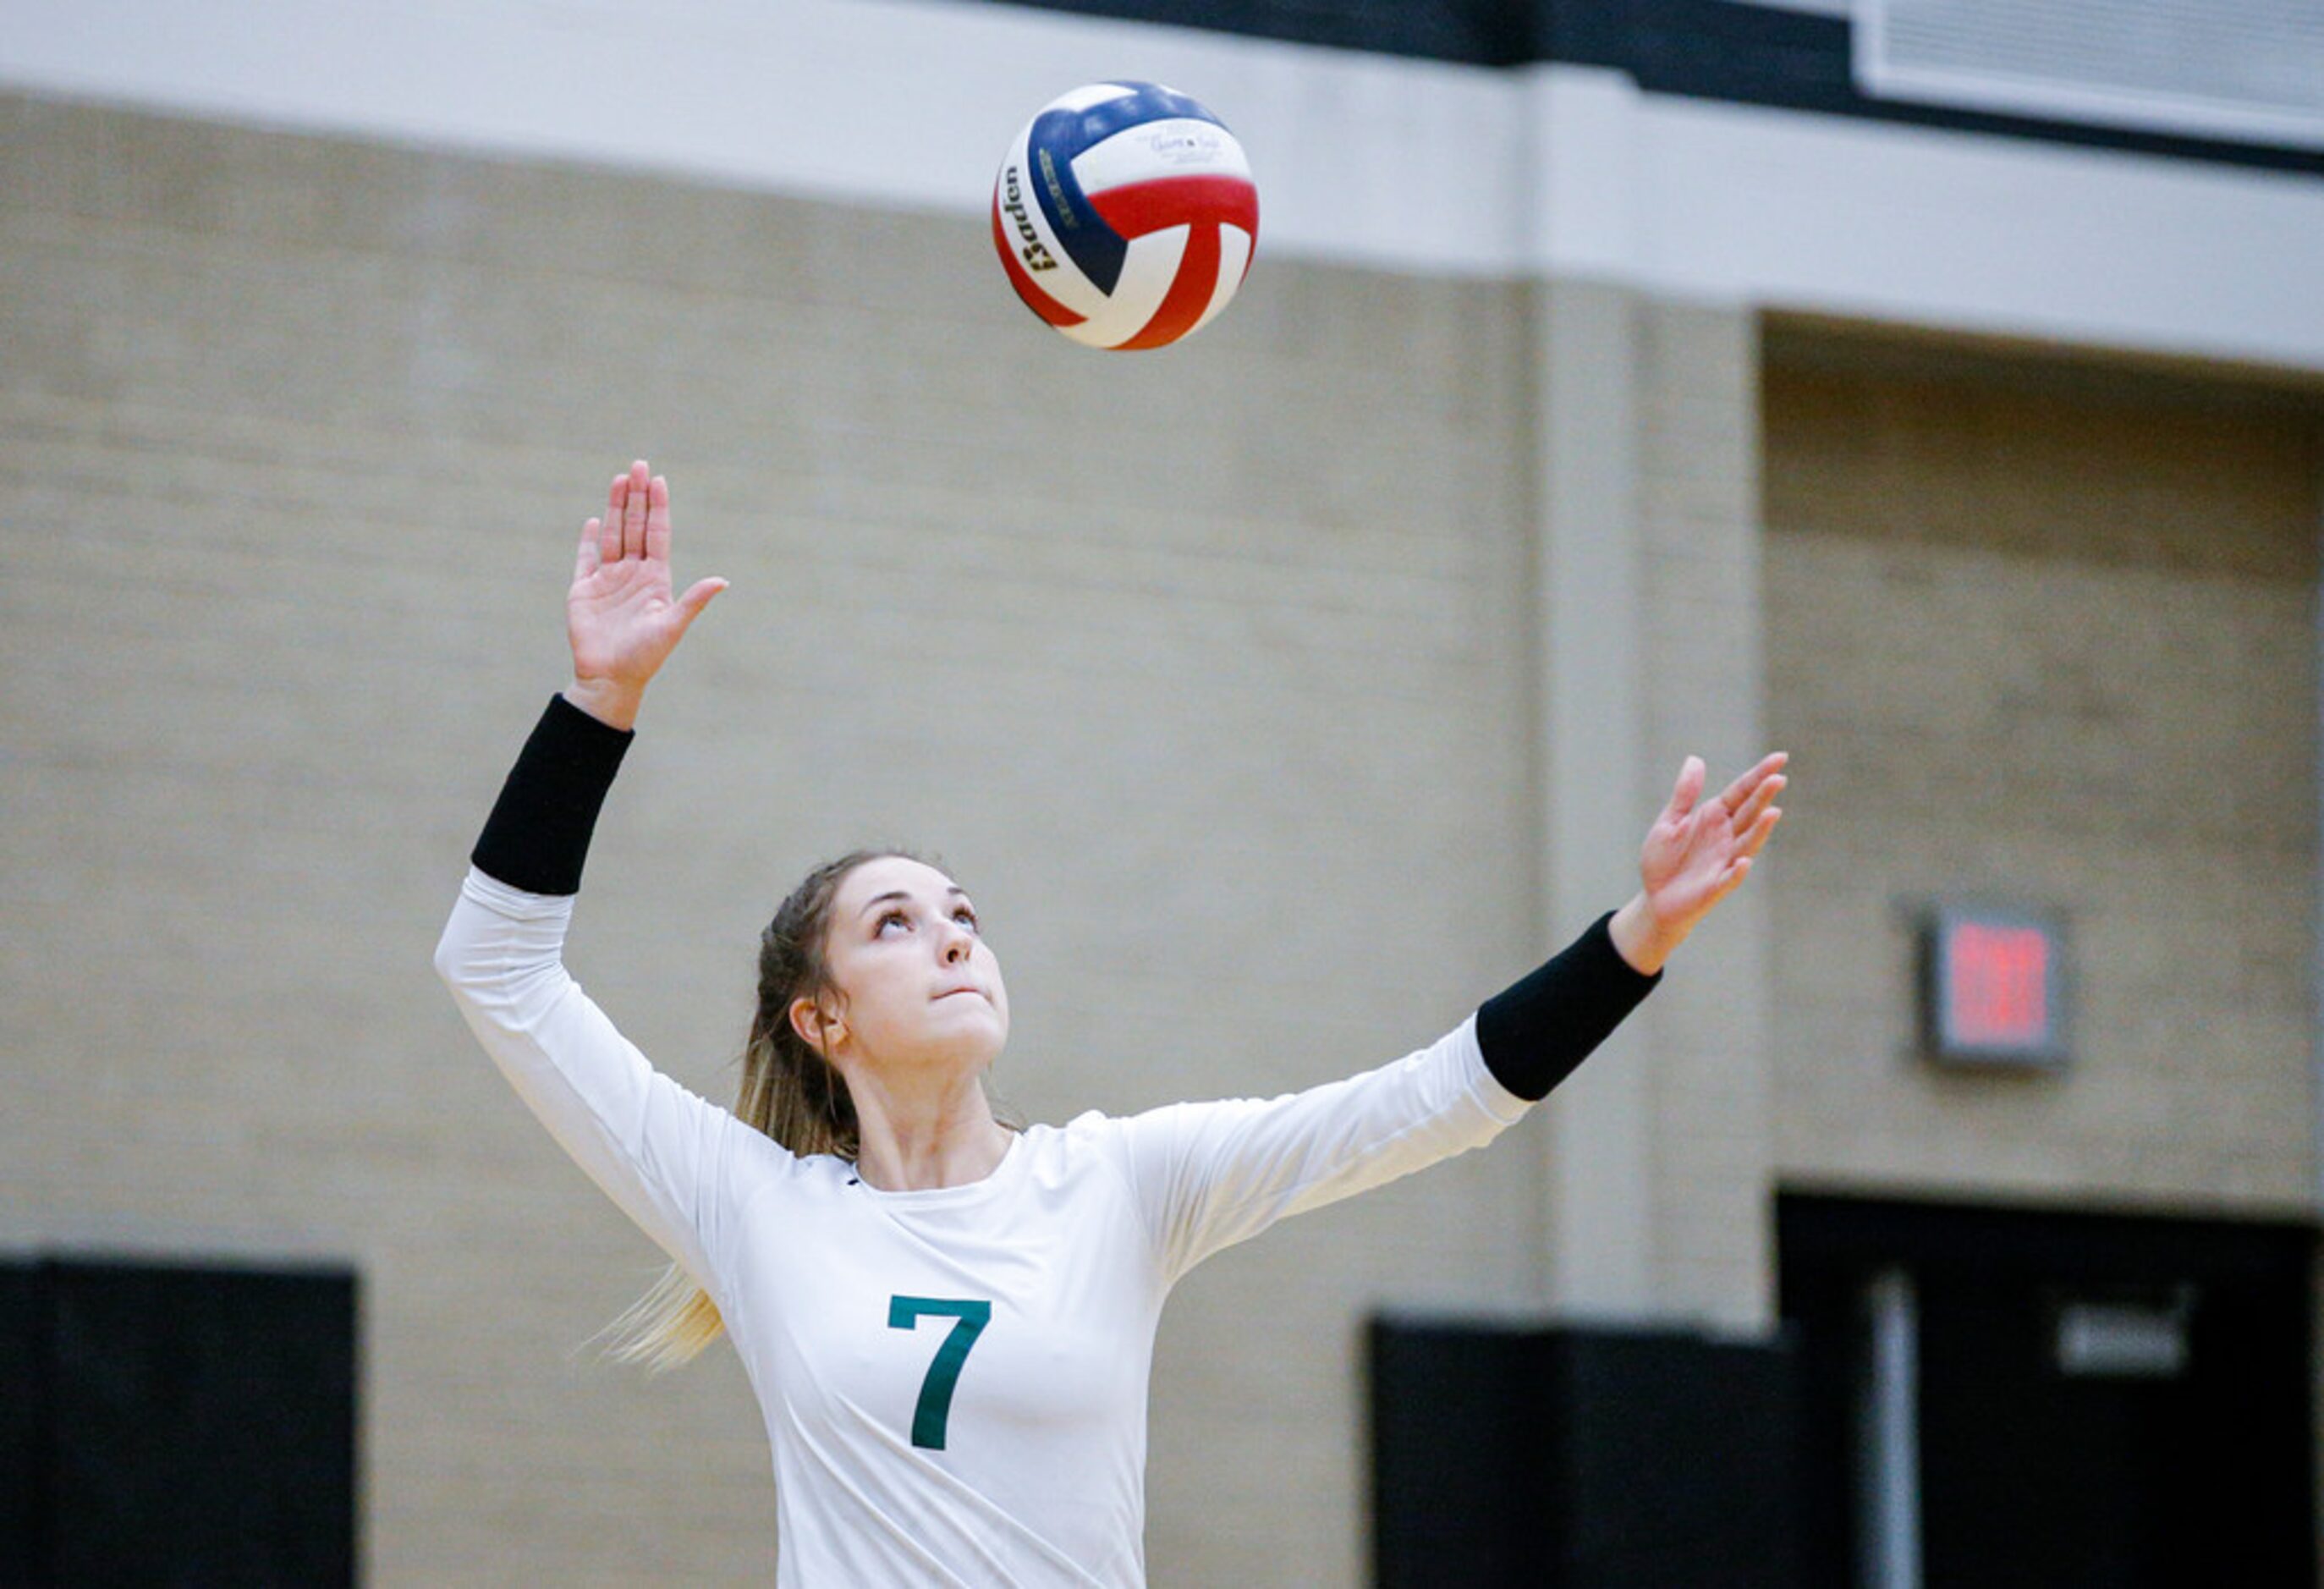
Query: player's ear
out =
(819, 1028)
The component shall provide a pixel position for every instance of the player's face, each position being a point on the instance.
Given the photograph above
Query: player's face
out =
(918, 986)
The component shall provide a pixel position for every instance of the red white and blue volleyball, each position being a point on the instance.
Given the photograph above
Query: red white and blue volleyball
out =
(1125, 214)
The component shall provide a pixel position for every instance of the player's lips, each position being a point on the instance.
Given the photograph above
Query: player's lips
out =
(953, 992)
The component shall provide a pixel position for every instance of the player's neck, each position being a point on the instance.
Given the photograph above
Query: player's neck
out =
(918, 1138)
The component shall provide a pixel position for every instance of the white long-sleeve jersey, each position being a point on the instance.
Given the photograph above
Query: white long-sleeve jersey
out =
(953, 1382)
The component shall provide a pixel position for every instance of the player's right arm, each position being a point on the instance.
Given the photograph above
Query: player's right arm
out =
(658, 1149)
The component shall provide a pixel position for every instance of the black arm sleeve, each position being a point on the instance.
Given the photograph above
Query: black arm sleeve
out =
(1537, 1031)
(539, 832)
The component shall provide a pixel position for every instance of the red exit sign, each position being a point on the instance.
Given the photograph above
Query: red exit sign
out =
(1993, 987)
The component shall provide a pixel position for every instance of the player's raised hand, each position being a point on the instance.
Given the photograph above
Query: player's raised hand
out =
(620, 614)
(1696, 854)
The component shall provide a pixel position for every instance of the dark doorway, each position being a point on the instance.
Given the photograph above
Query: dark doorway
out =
(1995, 1396)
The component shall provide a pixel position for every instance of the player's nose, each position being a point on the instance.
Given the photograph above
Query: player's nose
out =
(955, 944)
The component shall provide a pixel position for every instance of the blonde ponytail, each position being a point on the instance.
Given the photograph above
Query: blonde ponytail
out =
(789, 1091)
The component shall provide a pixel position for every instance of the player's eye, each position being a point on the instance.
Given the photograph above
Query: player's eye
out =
(965, 916)
(892, 917)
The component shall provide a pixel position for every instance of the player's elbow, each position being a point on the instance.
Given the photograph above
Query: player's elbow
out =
(454, 965)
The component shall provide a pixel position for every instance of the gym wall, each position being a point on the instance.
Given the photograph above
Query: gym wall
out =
(2072, 605)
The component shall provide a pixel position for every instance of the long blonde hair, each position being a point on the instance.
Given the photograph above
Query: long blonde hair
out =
(791, 1092)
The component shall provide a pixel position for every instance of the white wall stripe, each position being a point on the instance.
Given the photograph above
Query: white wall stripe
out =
(1408, 165)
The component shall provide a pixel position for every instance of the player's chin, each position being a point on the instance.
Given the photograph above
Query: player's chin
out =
(969, 1031)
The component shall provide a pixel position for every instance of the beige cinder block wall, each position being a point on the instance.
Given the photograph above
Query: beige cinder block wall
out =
(2045, 631)
(1205, 670)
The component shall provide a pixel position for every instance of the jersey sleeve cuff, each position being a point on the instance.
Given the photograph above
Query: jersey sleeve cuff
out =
(1534, 1033)
(537, 835)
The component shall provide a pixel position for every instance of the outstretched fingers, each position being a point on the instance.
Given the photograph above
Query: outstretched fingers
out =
(585, 559)
(617, 501)
(658, 521)
(1761, 799)
(1701, 850)
(1739, 863)
(1738, 793)
(697, 598)
(634, 508)
(1686, 791)
(637, 517)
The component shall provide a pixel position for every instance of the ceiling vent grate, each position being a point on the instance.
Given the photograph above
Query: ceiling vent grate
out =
(2249, 70)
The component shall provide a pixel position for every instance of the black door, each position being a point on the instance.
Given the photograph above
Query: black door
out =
(2095, 1399)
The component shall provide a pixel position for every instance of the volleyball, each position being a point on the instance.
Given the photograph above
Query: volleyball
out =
(1125, 214)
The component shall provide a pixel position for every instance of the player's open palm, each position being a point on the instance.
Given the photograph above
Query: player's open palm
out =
(1698, 852)
(620, 614)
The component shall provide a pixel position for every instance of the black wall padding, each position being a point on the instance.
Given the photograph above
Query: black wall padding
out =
(1458, 1456)
(1576, 1459)
(186, 1426)
(24, 1552)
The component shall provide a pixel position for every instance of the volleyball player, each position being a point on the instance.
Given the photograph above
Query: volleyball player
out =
(948, 1322)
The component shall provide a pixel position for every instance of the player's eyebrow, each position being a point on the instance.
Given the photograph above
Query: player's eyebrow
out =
(956, 891)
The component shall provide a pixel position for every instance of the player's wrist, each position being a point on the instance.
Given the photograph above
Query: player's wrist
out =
(1643, 940)
(610, 701)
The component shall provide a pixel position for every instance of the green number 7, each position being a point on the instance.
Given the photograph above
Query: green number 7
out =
(969, 1319)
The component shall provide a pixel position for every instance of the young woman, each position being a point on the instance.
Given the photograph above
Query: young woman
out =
(948, 1322)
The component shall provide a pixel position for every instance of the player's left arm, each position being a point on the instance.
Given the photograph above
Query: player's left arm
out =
(1206, 1176)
